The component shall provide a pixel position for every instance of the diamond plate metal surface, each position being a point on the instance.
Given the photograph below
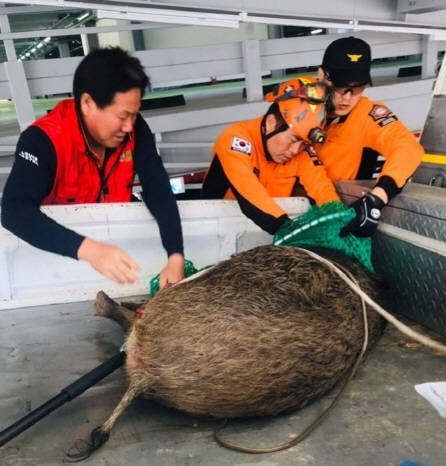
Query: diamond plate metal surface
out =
(421, 224)
(417, 280)
(417, 276)
(419, 208)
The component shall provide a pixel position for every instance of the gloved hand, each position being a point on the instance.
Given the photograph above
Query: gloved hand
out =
(368, 212)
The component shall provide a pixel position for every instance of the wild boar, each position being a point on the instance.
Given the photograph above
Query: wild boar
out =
(267, 331)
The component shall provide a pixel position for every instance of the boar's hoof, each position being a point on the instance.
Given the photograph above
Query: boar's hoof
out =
(105, 306)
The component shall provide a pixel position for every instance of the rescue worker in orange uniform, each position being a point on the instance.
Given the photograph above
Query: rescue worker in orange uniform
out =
(364, 139)
(257, 160)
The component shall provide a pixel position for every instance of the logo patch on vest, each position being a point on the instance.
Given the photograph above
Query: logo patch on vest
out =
(379, 112)
(385, 122)
(126, 156)
(383, 115)
(241, 145)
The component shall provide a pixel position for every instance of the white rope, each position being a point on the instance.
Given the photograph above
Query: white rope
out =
(394, 321)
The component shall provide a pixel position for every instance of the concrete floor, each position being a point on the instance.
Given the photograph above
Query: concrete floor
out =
(380, 421)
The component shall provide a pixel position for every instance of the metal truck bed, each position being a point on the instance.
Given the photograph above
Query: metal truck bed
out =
(380, 421)
(409, 250)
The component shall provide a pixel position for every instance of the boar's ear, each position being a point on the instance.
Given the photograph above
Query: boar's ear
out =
(83, 449)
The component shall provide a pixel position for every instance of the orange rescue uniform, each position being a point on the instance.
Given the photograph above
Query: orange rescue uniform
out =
(241, 169)
(370, 143)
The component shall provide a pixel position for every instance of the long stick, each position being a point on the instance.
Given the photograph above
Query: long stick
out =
(66, 394)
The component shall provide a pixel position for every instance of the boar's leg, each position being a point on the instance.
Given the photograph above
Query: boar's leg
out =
(132, 306)
(105, 306)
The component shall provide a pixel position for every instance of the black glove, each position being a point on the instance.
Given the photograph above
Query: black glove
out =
(368, 212)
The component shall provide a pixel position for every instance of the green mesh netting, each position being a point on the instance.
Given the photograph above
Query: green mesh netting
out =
(189, 269)
(320, 227)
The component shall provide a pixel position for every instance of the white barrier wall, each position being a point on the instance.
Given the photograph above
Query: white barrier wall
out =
(201, 119)
(187, 146)
(182, 65)
(213, 230)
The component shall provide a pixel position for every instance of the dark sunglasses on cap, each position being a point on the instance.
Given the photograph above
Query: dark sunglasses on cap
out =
(354, 89)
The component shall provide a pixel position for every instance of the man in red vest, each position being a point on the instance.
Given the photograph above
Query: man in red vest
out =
(87, 150)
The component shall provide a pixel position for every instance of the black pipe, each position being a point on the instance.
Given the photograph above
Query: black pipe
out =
(66, 394)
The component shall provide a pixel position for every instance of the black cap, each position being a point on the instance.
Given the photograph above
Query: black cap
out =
(348, 61)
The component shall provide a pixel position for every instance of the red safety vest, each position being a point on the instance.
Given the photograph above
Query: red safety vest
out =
(78, 177)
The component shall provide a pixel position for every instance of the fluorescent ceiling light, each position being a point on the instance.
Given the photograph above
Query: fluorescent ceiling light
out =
(47, 39)
(198, 19)
(40, 45)
(83, 16)
(316, 31)
(232, 18)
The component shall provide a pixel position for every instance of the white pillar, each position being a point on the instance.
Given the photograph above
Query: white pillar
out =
(252, 66)
(64, 49)
(123, 39)
(276, 32)
(440, 83)
(429, 57)
(20, 94)
(9, 43)
(89, 41)
(85, 44)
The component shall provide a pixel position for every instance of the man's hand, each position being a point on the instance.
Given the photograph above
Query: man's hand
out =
(109, 260)
(173, 272)
(368, 212)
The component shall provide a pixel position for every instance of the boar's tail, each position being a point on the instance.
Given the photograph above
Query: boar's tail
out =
(82, 449)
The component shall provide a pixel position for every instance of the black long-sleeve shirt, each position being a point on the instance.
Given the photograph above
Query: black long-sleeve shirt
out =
(29, 183)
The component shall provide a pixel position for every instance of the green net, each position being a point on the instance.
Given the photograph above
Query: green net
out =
(320, 227)
(189, 269)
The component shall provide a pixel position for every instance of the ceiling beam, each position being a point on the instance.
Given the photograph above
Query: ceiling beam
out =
(420, 6)
(20, 10)
(75, 31)
(169, 17)
(182, 15)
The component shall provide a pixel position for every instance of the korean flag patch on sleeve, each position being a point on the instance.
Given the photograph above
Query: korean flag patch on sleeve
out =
(241, 145)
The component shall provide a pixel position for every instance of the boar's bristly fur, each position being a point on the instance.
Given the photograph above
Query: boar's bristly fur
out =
(267, 331)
